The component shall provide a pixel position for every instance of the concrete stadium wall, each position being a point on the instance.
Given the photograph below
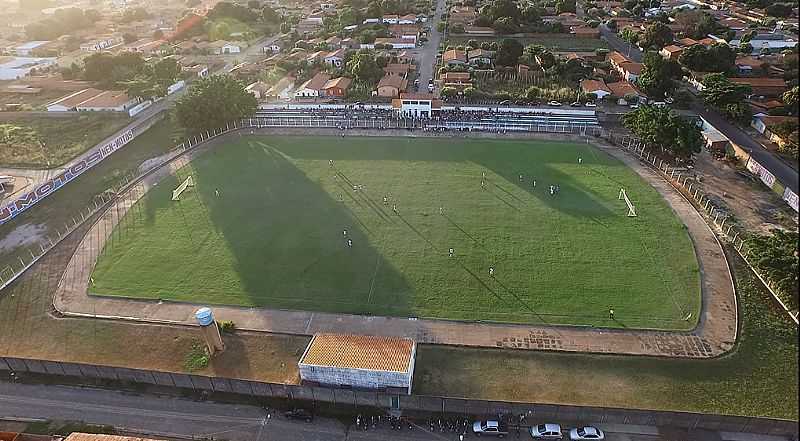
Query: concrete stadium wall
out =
(349, 397)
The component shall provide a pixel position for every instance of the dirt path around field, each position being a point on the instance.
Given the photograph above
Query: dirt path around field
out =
(714, 335)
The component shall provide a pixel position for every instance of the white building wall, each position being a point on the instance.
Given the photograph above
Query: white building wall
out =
(360, 378)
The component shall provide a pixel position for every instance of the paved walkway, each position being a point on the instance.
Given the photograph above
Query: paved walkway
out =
(714, 335)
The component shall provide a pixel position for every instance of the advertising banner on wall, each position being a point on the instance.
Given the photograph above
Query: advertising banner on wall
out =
(13, 208)
(791, 198)
(766, 177)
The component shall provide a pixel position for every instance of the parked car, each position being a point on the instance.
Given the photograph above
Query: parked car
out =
(575, 104)
(634, 106)
(416, 82)
(591, 104)
(586, 433)
(299, 414)
(546, 431)
(553, 103)
(489, 428)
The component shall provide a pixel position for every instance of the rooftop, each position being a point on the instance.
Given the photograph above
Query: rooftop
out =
(359, 352)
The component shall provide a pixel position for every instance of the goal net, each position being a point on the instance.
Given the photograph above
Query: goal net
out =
(176, 194)
(631, 207)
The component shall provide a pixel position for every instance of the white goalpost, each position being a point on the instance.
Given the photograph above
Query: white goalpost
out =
(631, 207)
(188, 182)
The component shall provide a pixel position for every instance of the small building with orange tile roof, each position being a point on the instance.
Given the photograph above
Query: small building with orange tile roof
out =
(359, 361)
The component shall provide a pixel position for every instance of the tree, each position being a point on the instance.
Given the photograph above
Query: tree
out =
(718, 58)
(502, 8)
(269, 15)
(790, 97)
(779, 10)
(129, 38)
(720, 92)
(630, 35)
(776, 257)
(746, 48)
(166, 71)
(232, 10)
(658, 75)
(134, 14)
(663, 128)
(563, 6)
(158, 34)
(364, 68)
(696, 23)
(109, 70)
(504, 25)
(509, 52)
(214, 101)
(656, 36)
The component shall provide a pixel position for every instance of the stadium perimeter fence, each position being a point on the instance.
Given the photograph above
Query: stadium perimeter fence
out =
(719, 219)
(351, 398)
(26, 258)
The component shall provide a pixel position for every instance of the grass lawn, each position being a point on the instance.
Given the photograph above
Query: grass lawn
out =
(554, 43)
(758, 378)
(56, 210)
(62, 138)
(275, 235)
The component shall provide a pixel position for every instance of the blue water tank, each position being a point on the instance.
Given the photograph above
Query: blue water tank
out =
(204, 316)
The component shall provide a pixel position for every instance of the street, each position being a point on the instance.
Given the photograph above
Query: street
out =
(167, 416)
(427, 62)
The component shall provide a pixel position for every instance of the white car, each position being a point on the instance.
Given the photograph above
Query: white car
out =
(553, 103)
(586, 433)
(590, 104)
(546, 431)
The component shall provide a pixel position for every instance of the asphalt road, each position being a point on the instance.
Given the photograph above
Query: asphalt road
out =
(427, 61)
(620, 45)
(167, 416)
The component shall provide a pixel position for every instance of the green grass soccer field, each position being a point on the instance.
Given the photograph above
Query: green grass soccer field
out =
(269, 219)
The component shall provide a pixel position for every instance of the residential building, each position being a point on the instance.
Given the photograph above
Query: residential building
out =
(671, 52)
(259, 89)
(458, 80)
(100, 43)
(391, 19)
(13, 68)
(585, 32)
(763, 86)
(407, 19)
(478, 30)
(596, 87)
(313, 87)
(336, 87)
(767, 42)
(26, 49)
(308, 26)
(335, 58)
(480, 57)
(399, 69)
(107, 101)
(391, 86)
(222, 47)
(394, 43)
(454, 57)
(282, 89)
(623, 89)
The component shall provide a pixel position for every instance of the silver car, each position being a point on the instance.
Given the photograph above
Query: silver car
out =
(546, 431)
(586, 433)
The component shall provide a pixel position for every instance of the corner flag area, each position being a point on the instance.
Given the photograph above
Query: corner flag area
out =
(522, 231)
